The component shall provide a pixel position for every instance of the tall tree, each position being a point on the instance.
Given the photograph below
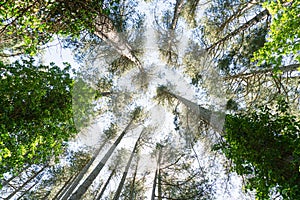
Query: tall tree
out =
(36, 113)
(121, 184)
(110, 133)
(89, 180)
(36, 22)
(263, 146)
(114, 167)
(212, 118)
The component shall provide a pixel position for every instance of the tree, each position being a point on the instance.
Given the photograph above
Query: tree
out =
(36, 113)
(30, 179)
(211, 118)
(283, 34)
(121, 184)
(115, 167)
(264, 148)
(26, 25)
(110, 133)
(89, 180)
(57, 178)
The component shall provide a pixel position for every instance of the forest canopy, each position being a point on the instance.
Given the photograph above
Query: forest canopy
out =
(171, 100)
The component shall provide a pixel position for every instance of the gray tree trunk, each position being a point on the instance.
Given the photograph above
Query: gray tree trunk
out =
(26, 182)
(131, 195)
(79, 177)
(121, 184)
(213, 119)
(246, 25)
(89, 180)
(106, 184)
(106, 31)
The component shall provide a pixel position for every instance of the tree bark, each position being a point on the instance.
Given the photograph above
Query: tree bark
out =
(121, 184)
(156, 174)
(26, 182)
(213, 119)
(89, 180)
(106, 31)
(79, 177)
(20, 197)
(106, 184)
(154, 185)
(177, 10)
(159, 188)
(246, 25)
(131, 194)
(62, 190)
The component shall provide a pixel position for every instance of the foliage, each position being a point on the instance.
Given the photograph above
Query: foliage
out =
(25, 24)
(284, 33)
(264, 146)
(35, 113)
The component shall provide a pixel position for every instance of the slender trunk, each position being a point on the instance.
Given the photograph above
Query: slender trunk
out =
(20, 197)
(159, 176)
(154, 185)
(26, 182)
(65, 187)
(118, 192)
(288, 68)
(156, 175)
(79, 177)
(106, 184)
(213, 119)
(246, 25)
(177, 10)
(131, 195)
(159, 185)
(5, 182)
(89, 180)
(106, 31)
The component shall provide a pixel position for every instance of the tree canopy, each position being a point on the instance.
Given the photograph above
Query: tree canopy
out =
(36, 112)
(172, 100)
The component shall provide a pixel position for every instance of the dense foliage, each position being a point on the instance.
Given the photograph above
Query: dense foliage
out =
(283, 38)
(265, 148)
(26, 25)
(35, 113)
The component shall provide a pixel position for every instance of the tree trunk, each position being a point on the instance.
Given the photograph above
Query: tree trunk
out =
(26, 182)
(118, 192)
(213, 119)
(106, 31)
(20, 197)
(177, 10)
(5, 182)
(156, 176)
(63, 190)
(288, 68)
(131, 194)
(89, 180)
(79, 177)
(246, 25)
(106, 184)
(154, 185)
(159, 176)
